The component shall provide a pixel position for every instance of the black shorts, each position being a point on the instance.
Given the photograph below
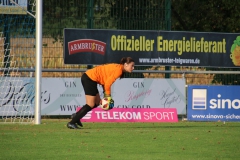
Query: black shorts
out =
(89, 86)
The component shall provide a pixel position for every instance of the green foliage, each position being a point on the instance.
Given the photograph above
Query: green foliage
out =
(138, 14)
(103, 14)
(74, 14)
(108, 14)
(17, 25)
(63, 14)
(209, 16)
(206, 15)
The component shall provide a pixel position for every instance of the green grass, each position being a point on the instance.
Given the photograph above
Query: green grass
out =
(121, 141)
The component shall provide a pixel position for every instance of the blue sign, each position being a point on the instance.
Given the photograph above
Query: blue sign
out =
(213, 103)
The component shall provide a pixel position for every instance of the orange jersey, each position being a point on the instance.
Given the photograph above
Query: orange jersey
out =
(106, 75)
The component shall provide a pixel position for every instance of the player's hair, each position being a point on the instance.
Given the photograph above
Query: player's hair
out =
(125, 60)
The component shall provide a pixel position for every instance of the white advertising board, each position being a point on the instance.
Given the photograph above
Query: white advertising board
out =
(61, 96)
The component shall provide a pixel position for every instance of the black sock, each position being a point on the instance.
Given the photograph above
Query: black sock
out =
(96, 105)
(81, 113)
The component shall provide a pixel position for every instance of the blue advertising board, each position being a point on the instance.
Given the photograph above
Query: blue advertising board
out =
(213, 103)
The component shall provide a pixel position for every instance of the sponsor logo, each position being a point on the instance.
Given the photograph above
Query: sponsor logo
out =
(131, 115)
(221, 103)
(86, 45)
(199, 99)
(235, 51)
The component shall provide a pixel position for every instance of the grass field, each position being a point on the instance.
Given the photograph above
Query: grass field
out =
(120, 141)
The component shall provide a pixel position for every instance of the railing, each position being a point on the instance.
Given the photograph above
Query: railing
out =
(193, 77)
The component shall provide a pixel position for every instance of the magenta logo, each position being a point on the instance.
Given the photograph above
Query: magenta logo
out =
(132, 115)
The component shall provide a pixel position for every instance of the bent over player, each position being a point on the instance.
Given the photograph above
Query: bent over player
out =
(104, 75)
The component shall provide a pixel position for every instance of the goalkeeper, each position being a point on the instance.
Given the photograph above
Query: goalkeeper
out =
(104, 75)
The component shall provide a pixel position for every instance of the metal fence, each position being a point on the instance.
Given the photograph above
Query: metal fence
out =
(19, 32)
(101, 14)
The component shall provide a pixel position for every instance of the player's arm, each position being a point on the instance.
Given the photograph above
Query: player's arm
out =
(107, 86)
(110, 80)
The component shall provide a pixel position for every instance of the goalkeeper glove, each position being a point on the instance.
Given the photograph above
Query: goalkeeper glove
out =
(110, 100)
(111, 103)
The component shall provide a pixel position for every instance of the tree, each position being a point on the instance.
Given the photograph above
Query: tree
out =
(138, 14)
(206, 15)
(106, 14)
(209, 16)
(58, 15)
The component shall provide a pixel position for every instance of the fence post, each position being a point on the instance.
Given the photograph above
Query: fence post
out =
(167, 27)
(90, 20)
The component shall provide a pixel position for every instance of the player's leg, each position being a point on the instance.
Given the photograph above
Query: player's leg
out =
(91, 92)
(97, 101)
(90, 101)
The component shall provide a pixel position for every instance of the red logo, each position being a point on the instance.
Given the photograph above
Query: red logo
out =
(86, 45)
